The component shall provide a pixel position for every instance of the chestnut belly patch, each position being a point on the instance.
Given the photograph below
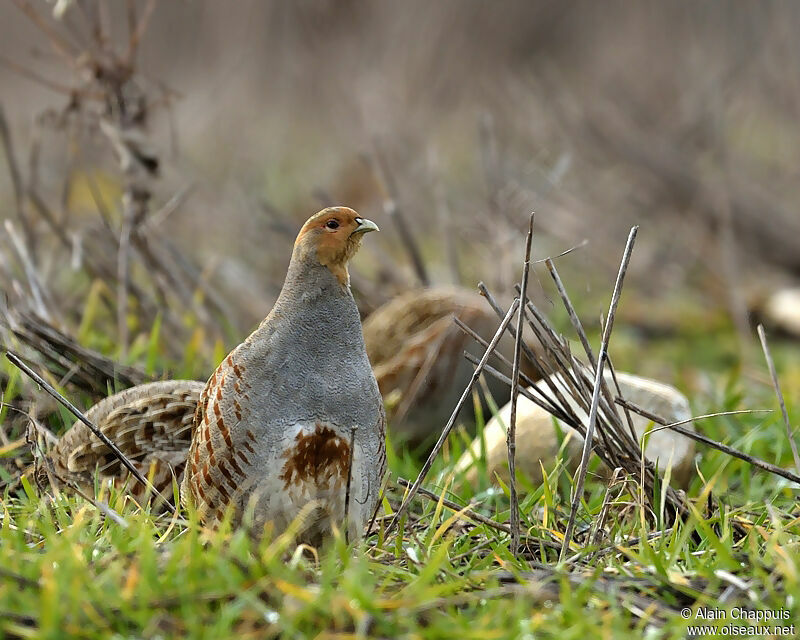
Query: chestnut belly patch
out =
(319, 458)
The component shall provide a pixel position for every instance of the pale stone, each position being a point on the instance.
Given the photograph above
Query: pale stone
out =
(538, 441)
(782, 310)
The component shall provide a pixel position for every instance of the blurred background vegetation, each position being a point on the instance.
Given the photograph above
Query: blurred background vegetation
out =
(462, 116)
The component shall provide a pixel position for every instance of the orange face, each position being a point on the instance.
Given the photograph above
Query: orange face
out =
(336, 234)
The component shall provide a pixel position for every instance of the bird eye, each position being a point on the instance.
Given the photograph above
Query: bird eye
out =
(332, 224)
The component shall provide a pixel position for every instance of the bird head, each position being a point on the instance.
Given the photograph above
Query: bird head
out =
(332, 237)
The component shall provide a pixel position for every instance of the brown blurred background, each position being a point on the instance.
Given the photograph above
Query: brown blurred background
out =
(681, 117)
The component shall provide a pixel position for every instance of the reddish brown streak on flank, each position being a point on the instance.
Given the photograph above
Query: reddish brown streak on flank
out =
(228, 475)
(236, 466)
(317, 457)
(199, 490)
(210, 449)
(226, 434)
(222, 491)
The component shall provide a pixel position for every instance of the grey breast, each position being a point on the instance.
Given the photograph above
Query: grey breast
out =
(309, 362)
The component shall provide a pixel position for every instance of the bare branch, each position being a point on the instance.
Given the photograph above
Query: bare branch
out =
(598, 380)
(777, 385)
(512, 428)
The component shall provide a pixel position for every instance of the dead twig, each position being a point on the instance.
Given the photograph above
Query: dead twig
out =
(601, 360)
(756, 462)
(777, 385)
(577, 325)
(475, 516)
(511, 441)
(37, 290)
(138, 28)
(60, 45)
(35, 77)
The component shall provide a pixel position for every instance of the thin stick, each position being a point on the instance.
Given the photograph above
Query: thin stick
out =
(102, 507)
(601, 519)
(756, 462)
(484, 291)
(529, 353)
(566, 252)
(138, 32)
(553, 411)
(511, 436)
(451, 422)
(573, 316)
(543, 402)
(381, 494)
(37, 78)
(768, 356)
(577, 325)
(60, 44)
(37, 290)
(17, 362)
(598, 380)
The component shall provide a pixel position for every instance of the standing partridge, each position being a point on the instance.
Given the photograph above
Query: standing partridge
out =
(292, 420)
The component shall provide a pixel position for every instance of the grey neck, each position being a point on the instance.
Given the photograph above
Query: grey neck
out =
(306, 282)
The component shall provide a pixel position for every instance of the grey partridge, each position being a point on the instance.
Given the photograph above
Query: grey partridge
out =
(292, 420)
(151, 423)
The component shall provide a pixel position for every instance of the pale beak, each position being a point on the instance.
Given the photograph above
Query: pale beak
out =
(365, 225)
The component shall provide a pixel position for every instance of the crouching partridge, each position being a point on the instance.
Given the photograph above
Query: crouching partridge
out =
(292, 420)
(151, 423)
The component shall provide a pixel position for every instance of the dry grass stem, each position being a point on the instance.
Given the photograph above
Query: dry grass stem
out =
(756, 462)
(777, 385)
(601, 360)
(512, 427)
(475, 516)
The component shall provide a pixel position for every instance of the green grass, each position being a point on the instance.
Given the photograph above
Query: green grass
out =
(67, 570)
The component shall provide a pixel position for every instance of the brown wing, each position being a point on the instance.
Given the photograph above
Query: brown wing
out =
(150, 423)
